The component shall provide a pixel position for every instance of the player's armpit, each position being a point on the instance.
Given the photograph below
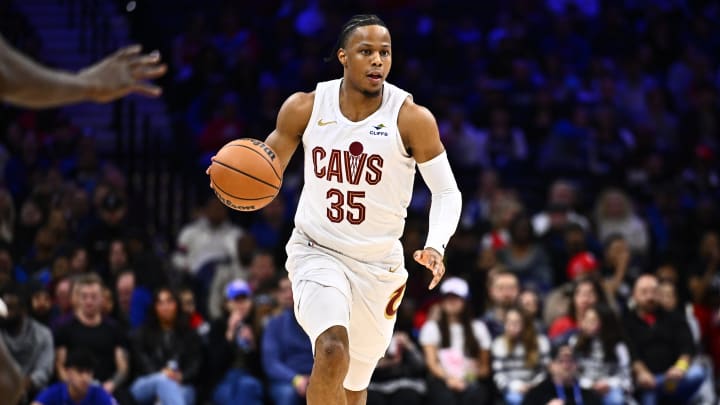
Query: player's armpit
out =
(292, 120)
(419, 132)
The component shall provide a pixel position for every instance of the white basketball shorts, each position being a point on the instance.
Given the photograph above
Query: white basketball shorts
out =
(331, 289)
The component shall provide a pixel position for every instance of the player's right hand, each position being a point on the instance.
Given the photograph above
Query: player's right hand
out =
(433, 261)
(207, 171)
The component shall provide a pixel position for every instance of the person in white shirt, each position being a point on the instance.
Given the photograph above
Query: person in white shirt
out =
(457, 350)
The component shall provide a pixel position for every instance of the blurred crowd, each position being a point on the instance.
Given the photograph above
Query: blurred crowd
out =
(585, 138)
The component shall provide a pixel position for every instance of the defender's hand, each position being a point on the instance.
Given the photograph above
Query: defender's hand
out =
(433, 261)
(122, 73)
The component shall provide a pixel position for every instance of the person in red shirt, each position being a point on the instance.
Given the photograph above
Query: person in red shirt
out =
(586, 292)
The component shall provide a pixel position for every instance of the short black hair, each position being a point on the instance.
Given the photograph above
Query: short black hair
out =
(358, 20)
(556, 347)
(81, 360)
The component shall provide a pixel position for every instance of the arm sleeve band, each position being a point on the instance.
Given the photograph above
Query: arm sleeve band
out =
(446, 201)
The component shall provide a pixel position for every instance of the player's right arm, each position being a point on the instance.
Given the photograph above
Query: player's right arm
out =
(292, 120)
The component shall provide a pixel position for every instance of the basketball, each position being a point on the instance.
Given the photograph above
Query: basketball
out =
(246, 174)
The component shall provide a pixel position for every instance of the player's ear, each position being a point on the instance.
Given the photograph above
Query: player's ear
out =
(342, 57)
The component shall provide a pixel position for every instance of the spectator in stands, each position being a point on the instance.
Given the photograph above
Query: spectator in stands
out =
(456, 350)
(602, 355)
(614, 215)
(167, 354)
(261, 272)
(189, 308)
(519, 357)
(529, 302)
(287, 355)
(526, 258)
(618, 269)
(29, 342)
(79, 386)
(227, 125)
(88, 329)
(125, 288)
(62, 301)
(661, 347)
(705, 270)
(502, 145)
(503, 293)
(273, 228)
(503, 208)
(41, 306)
(108, 302)
(586, 292)
(234, 350)
(668, 300)
(118, 259)
(562, 201)
(399, 375)
(112, 225)
(205, 242)
(79, 260)
(226, 272)
(561, 386)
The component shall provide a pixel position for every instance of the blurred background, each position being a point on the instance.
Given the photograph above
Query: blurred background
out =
(584, 135)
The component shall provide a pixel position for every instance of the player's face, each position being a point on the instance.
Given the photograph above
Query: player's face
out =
(367, 58)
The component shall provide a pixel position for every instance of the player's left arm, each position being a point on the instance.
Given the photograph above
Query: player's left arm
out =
(421, 137)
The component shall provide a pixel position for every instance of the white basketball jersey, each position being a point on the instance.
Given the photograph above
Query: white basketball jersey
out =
(358, 176)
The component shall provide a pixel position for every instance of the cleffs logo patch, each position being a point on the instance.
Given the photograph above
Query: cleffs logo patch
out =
(379, 130)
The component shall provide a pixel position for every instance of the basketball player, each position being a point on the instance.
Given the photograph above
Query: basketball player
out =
(362, 138)
(28, 84)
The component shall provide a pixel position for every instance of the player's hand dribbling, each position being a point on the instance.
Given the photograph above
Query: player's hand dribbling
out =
(207, 171)
(433, 261)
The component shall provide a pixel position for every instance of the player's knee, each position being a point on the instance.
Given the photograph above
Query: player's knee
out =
(332, 346)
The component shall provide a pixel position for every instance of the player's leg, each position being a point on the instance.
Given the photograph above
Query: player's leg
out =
(324, 313)
(330, 367)
(356, 397)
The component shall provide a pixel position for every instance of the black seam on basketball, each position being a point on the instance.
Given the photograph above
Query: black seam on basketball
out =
(246, 174)
(239, 198)
(262, 156)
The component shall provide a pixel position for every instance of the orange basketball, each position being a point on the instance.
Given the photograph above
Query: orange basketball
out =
(246, 174)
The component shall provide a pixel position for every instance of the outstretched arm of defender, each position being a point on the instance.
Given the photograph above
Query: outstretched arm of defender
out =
(422, 138)
(26, 83)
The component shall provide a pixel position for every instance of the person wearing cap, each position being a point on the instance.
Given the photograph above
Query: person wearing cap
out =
(561, 387)
(234, 356)
(79, 387)
(457, 350)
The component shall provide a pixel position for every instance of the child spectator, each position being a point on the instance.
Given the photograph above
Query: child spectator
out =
(602, 355)
(520, 356)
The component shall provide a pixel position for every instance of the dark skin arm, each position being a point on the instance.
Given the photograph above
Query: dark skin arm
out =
(25, 83)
